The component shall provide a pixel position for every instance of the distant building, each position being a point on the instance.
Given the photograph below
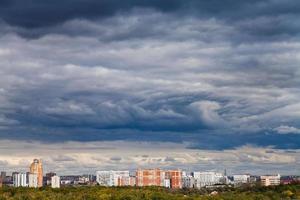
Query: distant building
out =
(132, 181)
(240, 179)
(150, 177)
(285, 180)
(3, 176)
(32, 180)
(69, 180)
(188, 181)
(90, 177)
(55, 181)
(126, 181)
(175, 178)
(36, 167)
(167, 183)
(49, 177)
(19, 180)
(207, 178)
(270, 180)
(66, 182)
(253, 179)
(112, 178)
(82, 180)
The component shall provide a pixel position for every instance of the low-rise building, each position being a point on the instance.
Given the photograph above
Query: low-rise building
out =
(89, 177)
(69, 180)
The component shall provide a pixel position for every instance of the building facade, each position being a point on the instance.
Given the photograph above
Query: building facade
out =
(49, 177)
(188, 181)
(167, 183)
(55, 181)
(207, 178)
(19, 180)
(150, 177)
(241, 178)
(132, 181)
(3, 176)
(112, 178)
(36, 167)
(175, 177)
(32, 180)
(270, 180)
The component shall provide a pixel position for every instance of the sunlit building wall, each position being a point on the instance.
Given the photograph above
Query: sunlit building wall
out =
(36, 167)
(239, 179)
(55, 182)
(175, 177)
(207, 178)
(112, 178)
(32, 180)
(150, 177)
(19, 180)
(270, 180)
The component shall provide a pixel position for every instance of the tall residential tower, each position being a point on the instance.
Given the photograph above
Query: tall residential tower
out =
(36, 167)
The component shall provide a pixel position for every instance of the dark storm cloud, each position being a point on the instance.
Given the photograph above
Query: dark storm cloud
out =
(33, 13)
(257, 20)
(43, 13)
(215, 74)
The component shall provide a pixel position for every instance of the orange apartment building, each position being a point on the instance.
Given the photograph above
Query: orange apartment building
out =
(126, 181)
(36, 167)
(149, 177)
(175, 177)
(123, 181)
(132, 181)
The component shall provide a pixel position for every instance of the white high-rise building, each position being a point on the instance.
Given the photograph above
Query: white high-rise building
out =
(19, 180)
(167, 183)
(270, 180)
(55, 182)
(188, 181)
(241, 178)
(207, 178)
(111, 178)
(33, 180)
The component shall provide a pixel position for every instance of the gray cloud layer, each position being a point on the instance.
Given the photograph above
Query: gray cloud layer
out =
(77, 157)
(151, 71)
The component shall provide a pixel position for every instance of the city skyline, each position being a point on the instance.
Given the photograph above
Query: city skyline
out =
(141, 177)
(169, 178)
(197, 85)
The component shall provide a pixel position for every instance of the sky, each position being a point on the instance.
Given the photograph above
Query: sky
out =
(122, 84)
